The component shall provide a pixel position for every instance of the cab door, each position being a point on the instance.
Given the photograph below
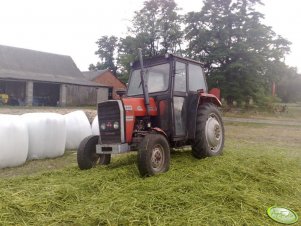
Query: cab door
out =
(196, 82)
(179, 100)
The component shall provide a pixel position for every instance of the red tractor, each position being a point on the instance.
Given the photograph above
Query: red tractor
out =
(166, 106)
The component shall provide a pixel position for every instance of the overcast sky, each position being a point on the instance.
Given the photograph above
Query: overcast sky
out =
(71, 27)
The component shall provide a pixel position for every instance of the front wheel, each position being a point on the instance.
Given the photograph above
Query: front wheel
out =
(86, 154)
(153, 155)
(209, 136)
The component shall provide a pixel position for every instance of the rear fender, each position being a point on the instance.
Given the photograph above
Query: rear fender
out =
(209, 98)
(194, 101)
(216, 92)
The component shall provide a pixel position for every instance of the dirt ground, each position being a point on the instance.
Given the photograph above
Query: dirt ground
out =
(91, 113)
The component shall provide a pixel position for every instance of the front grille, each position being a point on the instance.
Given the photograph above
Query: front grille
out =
(108, 113)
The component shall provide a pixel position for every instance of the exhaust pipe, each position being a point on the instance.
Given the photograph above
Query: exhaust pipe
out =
(143, 82)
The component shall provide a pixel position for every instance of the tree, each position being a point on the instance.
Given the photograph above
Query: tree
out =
(127, 53)
(289, 87)
(157, 27)
(239, 53)
(107, 48)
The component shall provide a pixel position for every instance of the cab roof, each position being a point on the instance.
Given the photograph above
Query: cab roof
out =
(161, 59)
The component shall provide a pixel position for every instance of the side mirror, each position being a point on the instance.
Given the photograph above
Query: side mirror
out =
(120, 92)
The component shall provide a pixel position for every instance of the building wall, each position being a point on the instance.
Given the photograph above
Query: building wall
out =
(102, 94)
(83, 95)
(107, 78)
(33, 93)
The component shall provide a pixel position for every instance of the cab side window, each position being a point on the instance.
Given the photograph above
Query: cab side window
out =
(196, 78)
(180, 77)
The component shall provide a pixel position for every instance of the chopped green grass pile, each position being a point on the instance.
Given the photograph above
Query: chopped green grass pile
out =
(233, 189)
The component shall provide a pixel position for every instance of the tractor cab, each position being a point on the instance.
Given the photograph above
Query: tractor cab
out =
(174, 83)
(167, 105)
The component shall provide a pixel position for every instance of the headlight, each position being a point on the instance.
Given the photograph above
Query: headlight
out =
(103, 126)
(116, 125)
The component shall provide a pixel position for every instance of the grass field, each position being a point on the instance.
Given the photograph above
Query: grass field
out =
(261, 167)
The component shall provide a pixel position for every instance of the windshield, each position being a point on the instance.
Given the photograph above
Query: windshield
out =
(156, 77)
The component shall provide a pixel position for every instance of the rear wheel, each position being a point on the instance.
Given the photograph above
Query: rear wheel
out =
(153, 155)
(86, 154)
(209, 136)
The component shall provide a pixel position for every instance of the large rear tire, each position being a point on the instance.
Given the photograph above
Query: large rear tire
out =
(153, 155)
(210, 133)
(86, 154)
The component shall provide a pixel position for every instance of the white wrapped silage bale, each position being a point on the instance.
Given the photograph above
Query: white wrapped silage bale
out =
(95, 126)
(78, 128)
(13, 141)
(47, 134)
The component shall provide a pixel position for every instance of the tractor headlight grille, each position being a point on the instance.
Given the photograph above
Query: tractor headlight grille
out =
(111, 122)
(103, 126)
(116, 125)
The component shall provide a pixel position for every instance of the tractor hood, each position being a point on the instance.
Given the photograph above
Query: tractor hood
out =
(135, 106)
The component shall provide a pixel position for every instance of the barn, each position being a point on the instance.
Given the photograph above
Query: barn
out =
(106, 77)
(35, 78)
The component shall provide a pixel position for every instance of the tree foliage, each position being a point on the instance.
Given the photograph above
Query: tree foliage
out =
(157, 27)
(239, 53)
(107, 48)
(289, 86)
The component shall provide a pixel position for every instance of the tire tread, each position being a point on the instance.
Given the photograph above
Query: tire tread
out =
(200, 148)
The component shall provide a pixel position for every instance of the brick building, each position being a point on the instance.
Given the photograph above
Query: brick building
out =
(106, 77)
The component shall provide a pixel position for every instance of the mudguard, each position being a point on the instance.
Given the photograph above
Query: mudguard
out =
(160, 131)
(194, 101)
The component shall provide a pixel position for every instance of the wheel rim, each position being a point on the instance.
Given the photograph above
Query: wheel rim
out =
(92, 154)
(214, 133)
(94, 158)
(157, 158)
